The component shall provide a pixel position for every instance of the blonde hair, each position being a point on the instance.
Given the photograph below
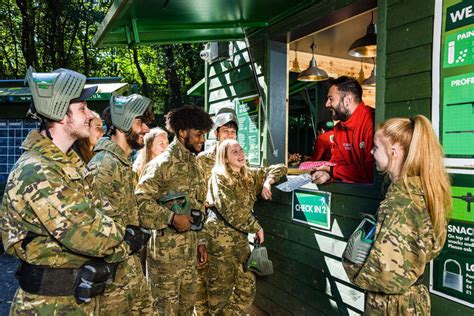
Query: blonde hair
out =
(423, 157)
(145, 155)
(221, 167)
(83, 147)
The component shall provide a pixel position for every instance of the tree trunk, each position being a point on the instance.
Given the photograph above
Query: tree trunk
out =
(176, 99)
(28, 47)
(145, 88)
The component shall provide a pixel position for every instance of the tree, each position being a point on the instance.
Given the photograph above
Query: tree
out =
(51, 34)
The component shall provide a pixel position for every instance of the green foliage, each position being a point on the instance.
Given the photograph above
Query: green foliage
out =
(50, 34)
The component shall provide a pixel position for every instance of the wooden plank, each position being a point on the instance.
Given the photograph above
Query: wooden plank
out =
(267, 305)
(409, 87)
(408, 11)
(408, 108)
(415, 34)
(409, 61)
(286, 299)
(238, 79)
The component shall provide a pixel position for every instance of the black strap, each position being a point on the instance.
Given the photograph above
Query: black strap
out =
(46, 281)
(420, 280)
(226, 223)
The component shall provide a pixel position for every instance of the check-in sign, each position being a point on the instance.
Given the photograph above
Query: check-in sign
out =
(312, 208)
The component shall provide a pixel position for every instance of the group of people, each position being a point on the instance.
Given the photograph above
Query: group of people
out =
(78, 214)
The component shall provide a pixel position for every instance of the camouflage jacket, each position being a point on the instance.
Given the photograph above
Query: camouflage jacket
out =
(206, 160)
(234, 198)
(46, 194)
(114, 181)
(404, 245)
(177, 170)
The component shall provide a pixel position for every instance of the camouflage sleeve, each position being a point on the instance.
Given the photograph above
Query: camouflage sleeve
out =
(399, 254)
(148, 191)
(260, 174)
(105, 174)
(230, 207)
(70, 217)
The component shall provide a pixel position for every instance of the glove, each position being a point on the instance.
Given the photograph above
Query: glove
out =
(136, 237)
(197, 220)
(360, 243)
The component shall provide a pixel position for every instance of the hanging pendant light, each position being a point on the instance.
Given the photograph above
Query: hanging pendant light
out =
(313, 73)
(371, 81)
(295, 66)
(366, 46)
(361, 76)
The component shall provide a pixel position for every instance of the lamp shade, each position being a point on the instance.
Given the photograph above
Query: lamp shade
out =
(365, 46)
(295, 66)
(313, 73)
(371, 81)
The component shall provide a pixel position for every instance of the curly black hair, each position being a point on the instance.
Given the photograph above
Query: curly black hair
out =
(188, 117)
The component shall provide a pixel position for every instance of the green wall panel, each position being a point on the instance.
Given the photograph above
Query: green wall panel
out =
(408, 62)
(408, 87)
(412, 35)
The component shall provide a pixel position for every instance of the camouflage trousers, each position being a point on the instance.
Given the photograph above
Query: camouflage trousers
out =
(201, 307)
(129, 294)
(415, 301)
(171, 263)
(231, 290)
(30, 304)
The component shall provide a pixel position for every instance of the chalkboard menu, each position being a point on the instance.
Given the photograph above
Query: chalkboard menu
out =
(248, 113)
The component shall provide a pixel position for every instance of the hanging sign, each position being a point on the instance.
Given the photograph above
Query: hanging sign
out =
(312, 208)
(248, 114)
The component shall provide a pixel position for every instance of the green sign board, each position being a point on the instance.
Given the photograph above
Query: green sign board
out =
(452, 272)
(455, 19)
(248, 113)
(312, 208)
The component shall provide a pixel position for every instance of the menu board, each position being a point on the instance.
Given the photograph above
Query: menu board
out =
(452, 272)
(248, 113)
(453, 88)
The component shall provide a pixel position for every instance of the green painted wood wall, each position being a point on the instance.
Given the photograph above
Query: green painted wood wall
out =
(309, 278)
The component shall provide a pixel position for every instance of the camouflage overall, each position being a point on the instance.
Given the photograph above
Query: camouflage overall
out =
(171, 257)
(46, 194)
(404, 245)
(231, 290)
(113, 180)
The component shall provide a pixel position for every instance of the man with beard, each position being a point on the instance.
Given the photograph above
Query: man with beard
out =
(49, 218)
(353, 135)
(176, 172)
(127, 120)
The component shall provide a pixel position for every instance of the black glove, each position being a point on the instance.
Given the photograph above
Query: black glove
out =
(136, 237)
(197, 220)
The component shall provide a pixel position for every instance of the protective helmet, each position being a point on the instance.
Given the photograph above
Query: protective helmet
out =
(178, 202)
(225, 115)
(258, 261)
(124, 110)
(53, 92)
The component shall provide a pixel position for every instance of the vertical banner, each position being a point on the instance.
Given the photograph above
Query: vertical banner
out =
(249, 128)
(453, 80)
(452, 272)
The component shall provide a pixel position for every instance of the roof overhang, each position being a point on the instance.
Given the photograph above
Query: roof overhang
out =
(23, 94)
(130, 22)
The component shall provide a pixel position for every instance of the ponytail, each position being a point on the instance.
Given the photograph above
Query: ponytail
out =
(423, 158)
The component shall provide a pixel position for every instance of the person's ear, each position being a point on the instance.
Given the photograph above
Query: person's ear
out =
(347, 100)
(396, 151)
(182, 133)
(216, 134)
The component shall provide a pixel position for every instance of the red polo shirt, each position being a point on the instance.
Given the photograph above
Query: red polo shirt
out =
(322, 147)
(353, 141)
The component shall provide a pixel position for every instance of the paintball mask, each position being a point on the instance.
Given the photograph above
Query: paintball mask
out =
(178, 203)
(124, 110)
(53, 92)
(361, 241)
(258, 261)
